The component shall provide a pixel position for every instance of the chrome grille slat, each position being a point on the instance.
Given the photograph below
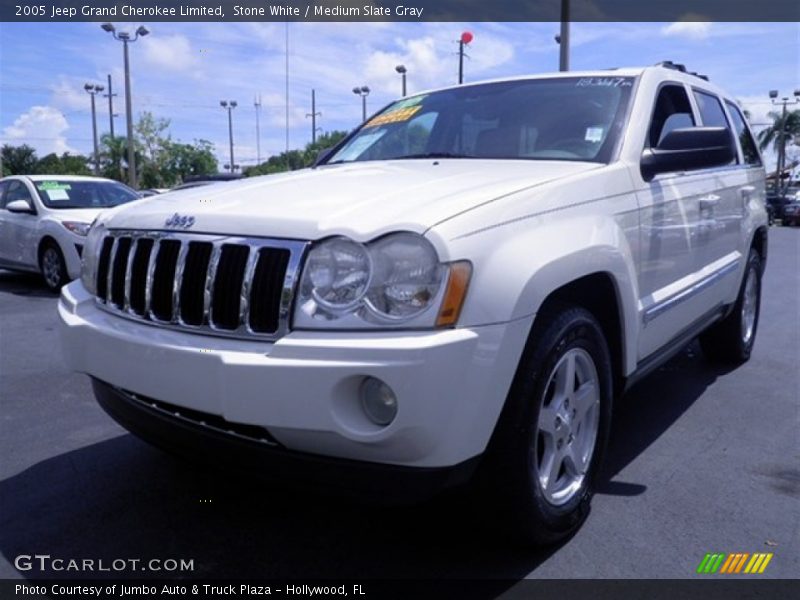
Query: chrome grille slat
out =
(213, 263)
(201, 269)
(131, 255)
(176, 286)
(151, 267)
(110, 276)
(247, 283)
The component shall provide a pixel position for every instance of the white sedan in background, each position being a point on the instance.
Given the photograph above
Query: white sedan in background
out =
(45, 218)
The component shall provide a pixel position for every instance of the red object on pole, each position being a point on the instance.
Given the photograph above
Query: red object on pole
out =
(466, 37)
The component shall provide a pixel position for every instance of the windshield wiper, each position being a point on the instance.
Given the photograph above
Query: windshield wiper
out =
(432, 155)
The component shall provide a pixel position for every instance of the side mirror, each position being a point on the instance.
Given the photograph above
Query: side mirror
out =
(688, 149)
(20, 206)
(323, 154)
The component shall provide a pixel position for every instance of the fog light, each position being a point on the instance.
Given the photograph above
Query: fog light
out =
(378, 401)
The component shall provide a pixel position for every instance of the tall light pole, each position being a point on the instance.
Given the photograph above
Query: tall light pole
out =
(313, 114)
(402, 70)
(125, 37)
(563, 38)
(92, 90)
(229, 106)
(465, 39)
(257, 105)
(111, 114)
(773, 96)
(362, 91)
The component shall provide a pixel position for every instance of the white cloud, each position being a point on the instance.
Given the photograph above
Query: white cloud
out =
(691, 28)
(42, 127)
(170, 52)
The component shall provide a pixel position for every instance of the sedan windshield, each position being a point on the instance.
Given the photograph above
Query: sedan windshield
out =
(56, 193)
(572, 118)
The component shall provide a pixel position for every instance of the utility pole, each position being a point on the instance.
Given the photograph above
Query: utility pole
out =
(773, 95)
(362, 91)
(229, 106)
(125, 38)
(313, 114)
(402, 70)
(111, 114)
(563, 38)
(92, 90)
(257, 104)
(465, 39)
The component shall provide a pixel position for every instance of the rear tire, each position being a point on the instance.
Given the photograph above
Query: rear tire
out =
(53, 267)
(731, 340)
(547, 450)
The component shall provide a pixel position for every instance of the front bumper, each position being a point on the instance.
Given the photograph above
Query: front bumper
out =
(303, 389)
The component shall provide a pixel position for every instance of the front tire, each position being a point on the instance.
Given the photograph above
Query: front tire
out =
(548, 448)
(731, 340)
(53, 267)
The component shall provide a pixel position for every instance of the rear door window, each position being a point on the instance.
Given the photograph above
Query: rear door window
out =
(748, 144)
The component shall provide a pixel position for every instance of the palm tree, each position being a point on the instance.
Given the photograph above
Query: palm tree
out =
(772, 134)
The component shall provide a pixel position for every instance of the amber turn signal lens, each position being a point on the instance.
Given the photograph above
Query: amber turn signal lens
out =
(456, 292)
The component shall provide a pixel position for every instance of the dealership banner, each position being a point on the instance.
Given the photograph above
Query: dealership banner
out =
(399, 10)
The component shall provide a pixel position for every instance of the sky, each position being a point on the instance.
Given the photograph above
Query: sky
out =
(181, 71)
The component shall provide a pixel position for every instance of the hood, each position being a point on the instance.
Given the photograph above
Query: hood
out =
(360, 200)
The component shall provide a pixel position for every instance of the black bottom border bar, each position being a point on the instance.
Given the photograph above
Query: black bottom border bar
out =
(529, 589)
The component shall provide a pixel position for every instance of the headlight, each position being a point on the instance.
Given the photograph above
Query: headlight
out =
(407, 277)
(91, 255)
(337, 274)
(392, 281)
(77, 227)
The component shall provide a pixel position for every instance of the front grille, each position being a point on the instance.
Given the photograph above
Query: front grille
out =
(229, 286)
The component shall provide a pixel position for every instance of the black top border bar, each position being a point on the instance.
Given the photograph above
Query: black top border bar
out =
(398, 10)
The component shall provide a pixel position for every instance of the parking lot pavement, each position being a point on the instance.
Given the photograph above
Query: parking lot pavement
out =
(702, 460)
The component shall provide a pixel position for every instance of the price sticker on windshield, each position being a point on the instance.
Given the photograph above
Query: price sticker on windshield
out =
(395, 116)
(47, 186)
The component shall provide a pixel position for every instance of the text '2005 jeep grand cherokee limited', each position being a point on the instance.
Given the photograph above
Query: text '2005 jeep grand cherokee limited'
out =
(463, 285)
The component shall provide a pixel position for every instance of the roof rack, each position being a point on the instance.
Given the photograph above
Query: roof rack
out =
(668, 64)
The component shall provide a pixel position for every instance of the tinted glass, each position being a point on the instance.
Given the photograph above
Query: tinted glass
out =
(570, 118)
(57, 193)
(18, 191)
(749, 150)
(710, 110)
(672, 111)
(3, 189)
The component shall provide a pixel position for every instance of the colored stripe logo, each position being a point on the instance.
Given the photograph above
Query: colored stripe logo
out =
(737, 562)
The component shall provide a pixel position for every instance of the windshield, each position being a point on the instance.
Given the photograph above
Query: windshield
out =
(574, 118)
(56, 193)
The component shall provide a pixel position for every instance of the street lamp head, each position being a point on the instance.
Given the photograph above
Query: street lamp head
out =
(88, 87)
(99, 88)
(773, 94)
(400, 69)
(223, 103)
(234, 104)
(364, 89)
(357, 90)
(108, 27)
(797, 93)
(142, 31)
(123, 35)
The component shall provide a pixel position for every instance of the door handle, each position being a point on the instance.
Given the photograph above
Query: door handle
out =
(709, 201)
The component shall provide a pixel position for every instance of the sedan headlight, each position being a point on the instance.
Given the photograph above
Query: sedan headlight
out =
(77, 227)
(392, 281)
(90, 257)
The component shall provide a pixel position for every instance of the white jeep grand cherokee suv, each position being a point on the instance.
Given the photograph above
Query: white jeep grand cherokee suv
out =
(462, 286)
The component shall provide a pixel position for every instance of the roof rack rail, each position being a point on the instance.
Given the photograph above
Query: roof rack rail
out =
(668, 64)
